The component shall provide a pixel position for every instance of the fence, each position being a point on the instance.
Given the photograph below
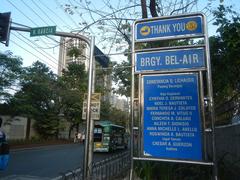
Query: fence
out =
(115, 167)
(228, 138)
(228, 151)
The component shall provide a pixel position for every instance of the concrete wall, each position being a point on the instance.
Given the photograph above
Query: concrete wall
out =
(228, 141)
(14, 127)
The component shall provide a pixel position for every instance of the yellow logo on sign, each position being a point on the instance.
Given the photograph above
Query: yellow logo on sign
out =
(145, 30)
(191, 26)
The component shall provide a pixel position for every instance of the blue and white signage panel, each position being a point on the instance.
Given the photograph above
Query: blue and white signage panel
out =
(168, 28)
(171, 117)
(170, 60)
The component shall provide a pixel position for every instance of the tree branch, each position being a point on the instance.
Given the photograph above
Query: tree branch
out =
(144, 9)
(153, 8)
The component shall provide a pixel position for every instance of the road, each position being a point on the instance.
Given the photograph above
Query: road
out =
(46, 162)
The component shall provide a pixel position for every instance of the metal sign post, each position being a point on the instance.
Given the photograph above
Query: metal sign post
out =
(88, 153)
(171, 92)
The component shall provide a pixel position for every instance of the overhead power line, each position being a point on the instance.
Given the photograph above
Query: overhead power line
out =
(39, 18)
(25, 16)
(35, 12)
(35, 49)
(33, 54)
(39, 53)
(59, 17)
(80, 15)
(34, 42)
(54, 59)
(45, 14)
(58, 4)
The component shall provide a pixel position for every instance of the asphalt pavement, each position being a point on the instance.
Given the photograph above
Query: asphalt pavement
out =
(45, 162)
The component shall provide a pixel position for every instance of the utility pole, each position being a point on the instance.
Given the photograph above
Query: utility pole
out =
(88, 149)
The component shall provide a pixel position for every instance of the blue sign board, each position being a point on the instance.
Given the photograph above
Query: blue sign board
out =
(170, 60)
(167, 28)
(171, 117)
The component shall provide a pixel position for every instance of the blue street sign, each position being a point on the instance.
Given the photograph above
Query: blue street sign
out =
(170, 60)
(171, 117)
(180, 27)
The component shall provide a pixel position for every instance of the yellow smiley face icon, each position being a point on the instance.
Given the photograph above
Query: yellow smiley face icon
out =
(145, 30)
(191, 26)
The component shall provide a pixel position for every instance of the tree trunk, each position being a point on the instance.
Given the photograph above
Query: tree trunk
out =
(153, 8)
(28, 128)
(70, 130)
(144, 9)
(77, 127)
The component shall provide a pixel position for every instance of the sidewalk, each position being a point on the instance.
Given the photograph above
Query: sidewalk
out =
(22, 177)
(38, 144)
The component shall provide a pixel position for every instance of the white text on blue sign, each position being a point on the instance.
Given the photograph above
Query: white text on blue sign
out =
(162, 28)
(171, 117)
(170, 60)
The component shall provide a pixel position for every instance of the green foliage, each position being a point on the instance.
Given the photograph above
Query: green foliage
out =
(105, 110)
(122, 77)
(225, 56)
(119, 117)
(76, 51)
(228, 166)
(37, 99)
(102, 84)
(113, 114)
(148, 170)
(72, 86)
(10, 70)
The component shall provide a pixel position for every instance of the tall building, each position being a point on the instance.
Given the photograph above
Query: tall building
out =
(65, 59)
(80, 47)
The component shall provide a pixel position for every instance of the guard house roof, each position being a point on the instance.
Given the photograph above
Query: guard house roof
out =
(101, 58)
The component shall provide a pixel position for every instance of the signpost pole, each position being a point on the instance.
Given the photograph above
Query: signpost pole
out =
(90, 122)
(211, 103)
(132, 109)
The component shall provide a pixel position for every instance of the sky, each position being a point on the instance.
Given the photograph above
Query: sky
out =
(40, 13)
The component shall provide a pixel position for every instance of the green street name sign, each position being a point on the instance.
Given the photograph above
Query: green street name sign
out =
(43, 31)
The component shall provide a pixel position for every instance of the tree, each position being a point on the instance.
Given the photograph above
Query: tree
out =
(113, 114)
(72, 86)
(112, 22)
(119, 116)
(225, 57)
(10, 71)
(37, 99)
(122, 78)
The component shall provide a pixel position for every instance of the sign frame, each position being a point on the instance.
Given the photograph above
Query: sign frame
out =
(205, 85)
